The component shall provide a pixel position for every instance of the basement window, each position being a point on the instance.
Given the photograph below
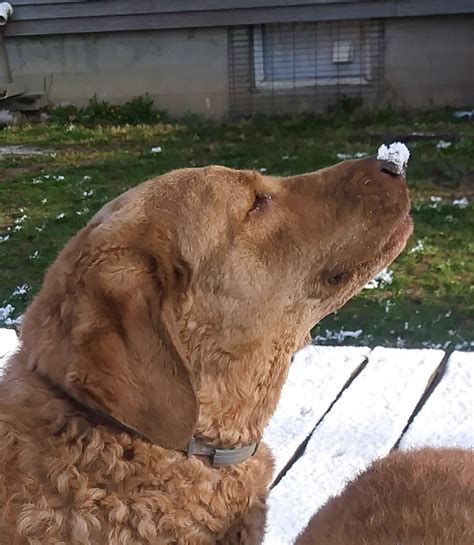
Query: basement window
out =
(311, 54)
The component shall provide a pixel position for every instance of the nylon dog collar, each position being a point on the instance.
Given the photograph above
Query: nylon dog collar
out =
(220, 456)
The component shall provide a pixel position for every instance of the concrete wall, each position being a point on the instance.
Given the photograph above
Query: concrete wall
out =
(429, 61)
(425, 61)
(182, 70)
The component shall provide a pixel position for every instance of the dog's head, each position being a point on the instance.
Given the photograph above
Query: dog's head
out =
(177, 308)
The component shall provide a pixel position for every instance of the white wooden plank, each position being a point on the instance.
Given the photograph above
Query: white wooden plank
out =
(447, 418)
(362, 426)
(317, 375)
(8, 344)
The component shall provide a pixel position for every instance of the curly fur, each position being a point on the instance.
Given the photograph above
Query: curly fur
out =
(423, 497)
(175, 312)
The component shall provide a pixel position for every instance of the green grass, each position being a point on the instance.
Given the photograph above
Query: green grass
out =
(430, 300)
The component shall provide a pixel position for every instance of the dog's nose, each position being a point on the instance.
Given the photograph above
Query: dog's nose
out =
(391, 169)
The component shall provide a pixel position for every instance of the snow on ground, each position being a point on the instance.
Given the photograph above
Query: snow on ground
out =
(385, 276)
(447, 418)
(356, 155)
(443, 144)
(363, 425)
(460, 203)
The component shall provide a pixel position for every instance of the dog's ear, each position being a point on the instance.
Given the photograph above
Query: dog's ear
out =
(113, 343)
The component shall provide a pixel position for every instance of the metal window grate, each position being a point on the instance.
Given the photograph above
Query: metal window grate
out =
(295, 67)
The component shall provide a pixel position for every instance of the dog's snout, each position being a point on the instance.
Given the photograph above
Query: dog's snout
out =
(391, 169)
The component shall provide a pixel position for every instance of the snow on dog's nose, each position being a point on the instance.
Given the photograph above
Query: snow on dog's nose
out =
(395, 158)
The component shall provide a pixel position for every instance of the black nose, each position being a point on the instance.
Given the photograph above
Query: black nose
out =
(391, 169)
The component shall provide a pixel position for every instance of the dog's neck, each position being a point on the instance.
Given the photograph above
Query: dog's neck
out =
(236, 406)
(217, 455)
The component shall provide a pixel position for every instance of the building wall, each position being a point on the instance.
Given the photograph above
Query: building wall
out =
(429, 61)
(182, 70)
(425, 61)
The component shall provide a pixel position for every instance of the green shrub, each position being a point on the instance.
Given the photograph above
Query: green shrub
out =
(138, 111)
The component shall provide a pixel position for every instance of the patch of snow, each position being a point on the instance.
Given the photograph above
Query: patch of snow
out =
(435, 200)
(88, 193)
(397, 153)
(4, 238)
(21, 219)
(34, 255)
(263, 169)
(21, 290)
(338, 336)
(156, 149)
(464, 345)
(443, 144)
(13, 321)
(71, 127)
(355, 155)
(400, 342)
(464, 114)
(61, 216)
(86, 178)
(44, 201)
(5, 312)
(17, 228)
(460, 203)
(419, 247)
(385, 276)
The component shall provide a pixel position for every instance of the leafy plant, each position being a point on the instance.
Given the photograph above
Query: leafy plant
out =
(140, 110)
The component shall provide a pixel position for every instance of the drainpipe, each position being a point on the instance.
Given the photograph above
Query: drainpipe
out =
(6, 81)
(6, 11)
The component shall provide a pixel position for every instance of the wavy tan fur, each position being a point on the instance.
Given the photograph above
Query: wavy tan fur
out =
(173, 312)
(420, 497)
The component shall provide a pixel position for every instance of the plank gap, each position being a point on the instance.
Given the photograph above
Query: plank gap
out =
(302, 446)
(431, 386)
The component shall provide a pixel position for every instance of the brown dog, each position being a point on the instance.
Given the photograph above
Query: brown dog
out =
(173, 314)
(423, 497)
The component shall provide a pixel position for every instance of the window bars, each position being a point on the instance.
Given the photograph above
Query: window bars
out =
(295, 67)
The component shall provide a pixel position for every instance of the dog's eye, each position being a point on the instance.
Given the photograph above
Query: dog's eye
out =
(261, 201)
(338, 278)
